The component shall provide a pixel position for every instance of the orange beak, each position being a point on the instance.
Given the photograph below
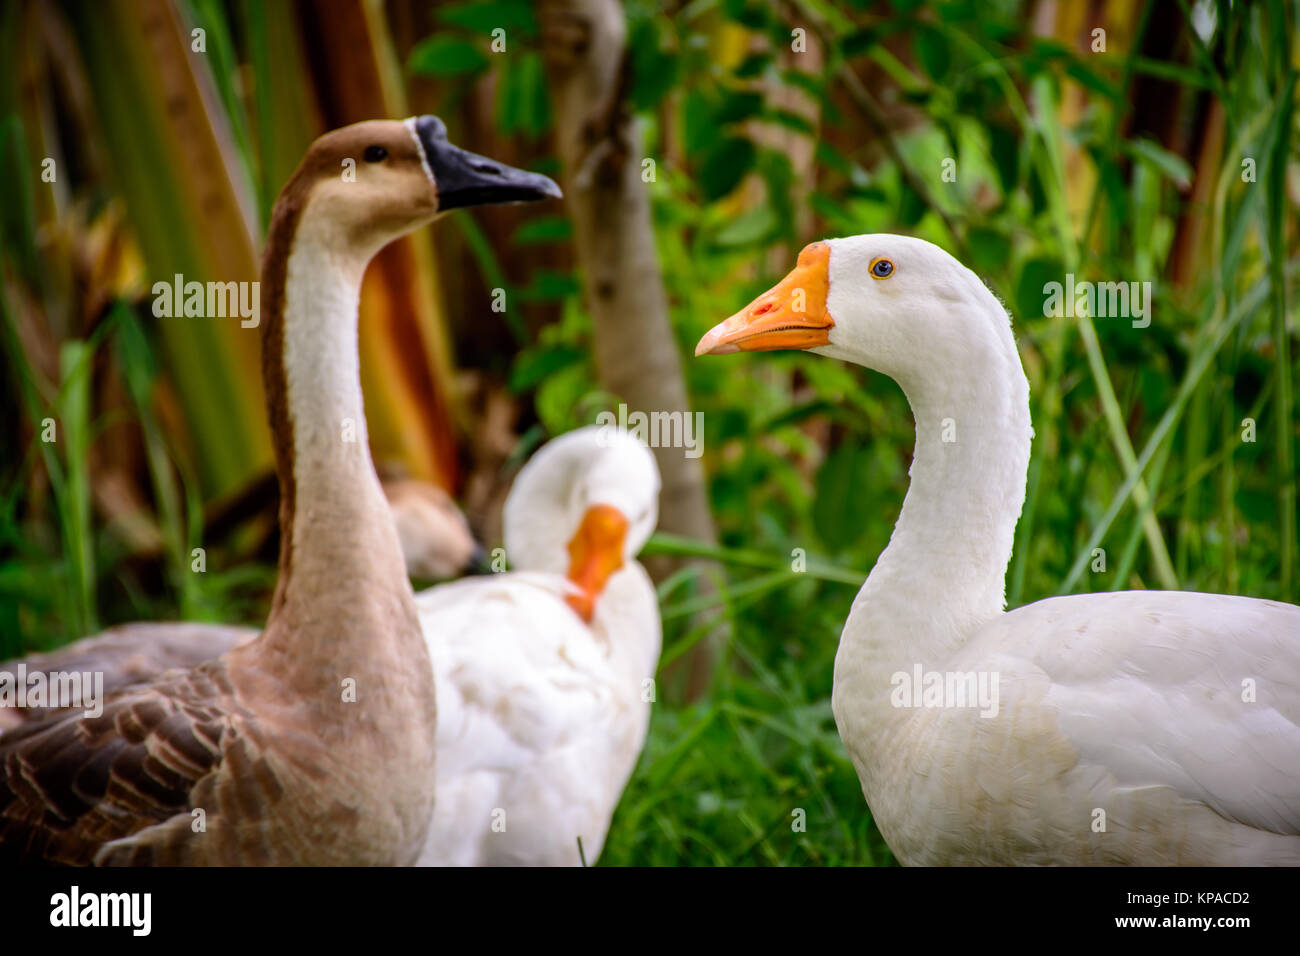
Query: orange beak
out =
(790, 315)
(595, 553)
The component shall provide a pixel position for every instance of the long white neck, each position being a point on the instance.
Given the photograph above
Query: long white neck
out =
(627, 617)
(543, 512)
(343, 602)
(333, 470)
(943, 573)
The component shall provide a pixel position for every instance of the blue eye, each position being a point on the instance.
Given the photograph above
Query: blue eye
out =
(881, 268)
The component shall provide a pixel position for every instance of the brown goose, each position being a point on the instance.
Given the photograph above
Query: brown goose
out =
(437, 545)
(313, 743)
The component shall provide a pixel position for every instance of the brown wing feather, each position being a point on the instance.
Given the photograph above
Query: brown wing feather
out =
(129, 654)
(70, 784)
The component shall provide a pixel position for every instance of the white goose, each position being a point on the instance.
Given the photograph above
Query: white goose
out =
(1137, 727)
(543, 672)
(263, 744)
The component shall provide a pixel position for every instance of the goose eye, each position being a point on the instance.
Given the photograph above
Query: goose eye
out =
(881, 268)
(376, 154)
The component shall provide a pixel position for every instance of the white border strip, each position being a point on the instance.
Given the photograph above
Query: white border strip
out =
(424, 160)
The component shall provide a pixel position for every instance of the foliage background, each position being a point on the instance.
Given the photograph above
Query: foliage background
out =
(1169, 156)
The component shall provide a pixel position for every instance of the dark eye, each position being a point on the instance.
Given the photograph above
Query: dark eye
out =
(881, 268)
(376, 154)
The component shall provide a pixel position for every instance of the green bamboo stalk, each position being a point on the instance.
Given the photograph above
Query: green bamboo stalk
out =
(1052, 168)
(1128, 555)
(73, 436)
(172, 159)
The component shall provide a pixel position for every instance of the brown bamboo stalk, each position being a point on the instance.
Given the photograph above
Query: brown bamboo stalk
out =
(636, 353)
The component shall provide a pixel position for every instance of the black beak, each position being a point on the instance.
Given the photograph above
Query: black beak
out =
(478, 562)
(468, 179)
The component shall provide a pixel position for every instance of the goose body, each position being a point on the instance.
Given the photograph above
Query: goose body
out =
(1140, 727)
(436, 543)
(543, 672)
(314, 742)
(125, 655)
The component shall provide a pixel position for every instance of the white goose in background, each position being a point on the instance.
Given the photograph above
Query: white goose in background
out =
(543, 673)
(264, 739)
(1137, 727)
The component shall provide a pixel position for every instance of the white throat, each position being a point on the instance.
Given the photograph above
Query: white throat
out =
(345, 545)
(943, 574)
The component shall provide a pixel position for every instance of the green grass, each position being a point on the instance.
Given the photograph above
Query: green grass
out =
(1138, 432)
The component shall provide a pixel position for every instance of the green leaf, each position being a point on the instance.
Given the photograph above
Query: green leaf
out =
(536, 365)
(654, 70)
(1092, 80)
(778, 175)
(724, 166)
(509, 15)
(446, 56)
(548, 286)
(932, 51)
(509, 108)
(543, 229)
(737, 107)
(559, 397)
(753, 65)
(699, 132)
(534, 105)
(135, 357)
(859, 42)
(1257, 507)
(790, 120)
(1172, 72)
(990, 250)
(17, 212)
(1171, 164)
(749, 227)
(911, 207)
(1004, 146)
(1035, 274)
(754, 16)
(841, 508)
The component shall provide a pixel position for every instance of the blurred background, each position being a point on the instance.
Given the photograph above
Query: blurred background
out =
(701, 145)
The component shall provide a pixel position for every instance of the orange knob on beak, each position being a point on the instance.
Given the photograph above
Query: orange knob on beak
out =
(595, 553)
(790, 315)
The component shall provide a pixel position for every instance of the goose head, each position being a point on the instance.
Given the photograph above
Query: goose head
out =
(895, 304)
(374, 181)
(583, 506)
(437, 542)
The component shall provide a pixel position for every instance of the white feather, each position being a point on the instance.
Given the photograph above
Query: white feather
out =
(1134, 727)
(541, 716)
